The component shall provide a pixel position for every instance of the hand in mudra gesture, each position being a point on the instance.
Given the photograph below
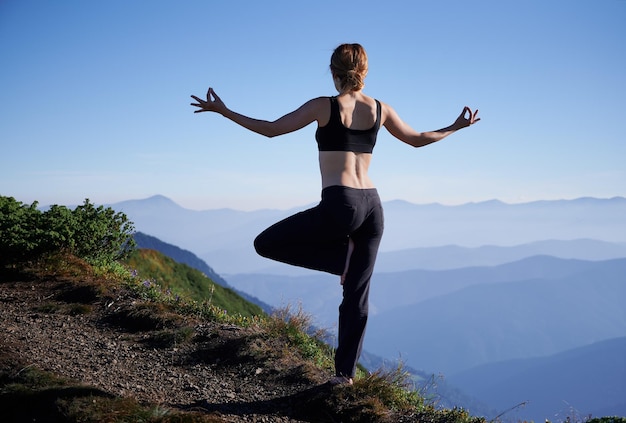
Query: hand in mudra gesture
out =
(466, 118)
(212, 103)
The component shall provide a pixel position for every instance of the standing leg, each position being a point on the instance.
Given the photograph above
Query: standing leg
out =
(349, 255)
(353, 311)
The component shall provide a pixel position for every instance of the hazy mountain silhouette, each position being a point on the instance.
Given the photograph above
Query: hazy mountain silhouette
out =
(542, 381)
(452, 256)
(499, 321)
(455, 286)
(320, 293)
(223, 237)
(590, 379)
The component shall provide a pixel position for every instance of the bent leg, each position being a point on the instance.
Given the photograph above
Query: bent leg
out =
(307, 239)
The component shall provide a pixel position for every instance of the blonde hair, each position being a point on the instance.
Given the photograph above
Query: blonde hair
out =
(349, 64)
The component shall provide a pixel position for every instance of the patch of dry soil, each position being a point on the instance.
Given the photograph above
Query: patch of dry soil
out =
(232, 372)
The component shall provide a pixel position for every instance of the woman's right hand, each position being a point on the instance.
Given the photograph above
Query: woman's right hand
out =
(212, 103)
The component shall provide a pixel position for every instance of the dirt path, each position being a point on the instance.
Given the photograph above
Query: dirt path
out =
(224, 370)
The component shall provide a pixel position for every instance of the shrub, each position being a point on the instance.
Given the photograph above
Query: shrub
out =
(58, 227)
(100, 234)
(97, 234)
(20, 230)
(609, 419)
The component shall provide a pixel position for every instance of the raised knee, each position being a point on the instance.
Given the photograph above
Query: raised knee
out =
(261, 246)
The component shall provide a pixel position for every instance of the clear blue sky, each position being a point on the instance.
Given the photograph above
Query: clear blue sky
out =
(95, 98)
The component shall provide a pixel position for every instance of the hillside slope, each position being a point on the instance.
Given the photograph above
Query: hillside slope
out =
(82, 347)
(178, 254)
(145, 241)
(124, 346)
(182, 280)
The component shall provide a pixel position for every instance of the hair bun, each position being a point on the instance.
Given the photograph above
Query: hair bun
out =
(349, 64)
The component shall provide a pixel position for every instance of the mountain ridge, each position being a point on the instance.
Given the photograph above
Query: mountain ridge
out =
(224, 237)
(160, 199)
(545, 382)
(542, 317)
(320, 293)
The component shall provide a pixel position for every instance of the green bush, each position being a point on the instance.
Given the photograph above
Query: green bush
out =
(611, 419)
(96, 234)
(20, 230)
(59, 226)
(101, 235)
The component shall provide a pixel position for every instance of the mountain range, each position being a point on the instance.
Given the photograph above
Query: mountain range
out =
(457, 288)
(574, 383)
(223, 237)
(320, 294)
(504, 320)
(584, 380)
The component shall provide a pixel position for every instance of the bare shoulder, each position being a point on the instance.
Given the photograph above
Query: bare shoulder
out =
(320, 108)
(316, 105)
(319, 101)
(386, 111)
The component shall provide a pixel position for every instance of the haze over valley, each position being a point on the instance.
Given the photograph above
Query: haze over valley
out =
(457, 289)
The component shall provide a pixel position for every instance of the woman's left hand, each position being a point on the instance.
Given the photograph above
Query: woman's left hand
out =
(466, 118)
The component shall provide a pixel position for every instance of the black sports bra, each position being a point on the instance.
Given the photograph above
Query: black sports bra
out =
(334, 136)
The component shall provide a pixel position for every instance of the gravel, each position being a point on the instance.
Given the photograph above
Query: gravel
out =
(237, 374)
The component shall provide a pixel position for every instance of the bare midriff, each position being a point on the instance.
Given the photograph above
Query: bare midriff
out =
(345, 168)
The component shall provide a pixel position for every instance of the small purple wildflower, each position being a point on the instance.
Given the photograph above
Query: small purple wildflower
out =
(146, 283)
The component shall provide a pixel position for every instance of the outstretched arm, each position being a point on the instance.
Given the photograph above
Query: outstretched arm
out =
(299, 118)
(405, 133)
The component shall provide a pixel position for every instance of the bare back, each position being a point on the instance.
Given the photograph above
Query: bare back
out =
(347, 168)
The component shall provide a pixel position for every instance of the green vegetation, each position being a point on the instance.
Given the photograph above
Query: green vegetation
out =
(613, 419)
(97, 234)
(295, 328)
(183, 281)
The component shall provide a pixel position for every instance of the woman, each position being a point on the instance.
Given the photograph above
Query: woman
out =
(342, 233)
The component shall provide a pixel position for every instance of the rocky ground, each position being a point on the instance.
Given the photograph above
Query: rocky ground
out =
(235, 374)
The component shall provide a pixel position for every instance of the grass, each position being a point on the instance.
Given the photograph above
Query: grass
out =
(296, 331)
(181, 280)
(376, 395)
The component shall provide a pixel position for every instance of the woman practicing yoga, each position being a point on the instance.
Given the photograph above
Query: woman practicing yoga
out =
(342, 233)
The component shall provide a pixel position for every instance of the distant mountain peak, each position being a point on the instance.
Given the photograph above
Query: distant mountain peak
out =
(156, 201)
(158, 198)
(492, 202)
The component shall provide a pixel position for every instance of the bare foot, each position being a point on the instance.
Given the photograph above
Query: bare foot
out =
(345, 269)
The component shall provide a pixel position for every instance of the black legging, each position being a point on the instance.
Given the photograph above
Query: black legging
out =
(317, 239)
